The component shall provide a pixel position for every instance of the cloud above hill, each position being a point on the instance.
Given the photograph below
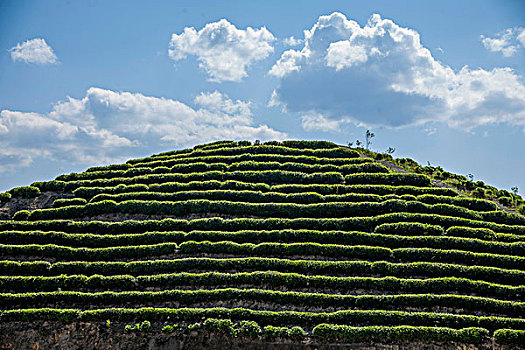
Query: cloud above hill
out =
(381, 75)
(106, 126)
(223, 51)
(35, 51)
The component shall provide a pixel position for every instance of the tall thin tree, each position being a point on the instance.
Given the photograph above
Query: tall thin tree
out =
(369, 135)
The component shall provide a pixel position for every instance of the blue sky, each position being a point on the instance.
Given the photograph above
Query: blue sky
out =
(86, 83)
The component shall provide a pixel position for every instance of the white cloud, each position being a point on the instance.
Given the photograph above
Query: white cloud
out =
(521, 36)
(274, 100)
(216, 102)
(380, 74)
(33, 51)
(316, 121)
(107, 126)
(223, 51)
(506, 42)
(342, 54)
(291, 41)
(290, 61)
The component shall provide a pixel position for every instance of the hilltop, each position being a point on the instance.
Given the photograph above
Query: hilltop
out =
(280, 245)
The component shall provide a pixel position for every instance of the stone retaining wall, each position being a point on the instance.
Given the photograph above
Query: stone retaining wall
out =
(43, 335)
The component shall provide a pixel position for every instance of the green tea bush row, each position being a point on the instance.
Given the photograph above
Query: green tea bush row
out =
(504, 237)
(251, 236)
(381, 190)
(267, 249)
(164, 154)
(282, 210)
(242, 166)
(248, 149)
(410, 229)
(467, 304)
(367, 189)
(385, 334)
(356, 317)
(510, 337)
(305, 144)
(469, 203)
(316, 267)
(254, 157)
(288, 143)
(192, 247)
(217, 223)
(5, 196)
(389, 179)
(504, 216)
(269, 197)
(263, 149)
(367, 167)
(265, 176)
(285, 210)
(212, 185)
(88, 192)
(260, 279)
(458, 257)
(286, 249)
(354, 252)
(217, 144)
(472, 234)
(25, 192)
(244, 196)
(110, 167)
(92, 254)
(64, 202)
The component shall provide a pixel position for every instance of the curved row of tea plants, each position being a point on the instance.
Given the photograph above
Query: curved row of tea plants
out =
(310, 267)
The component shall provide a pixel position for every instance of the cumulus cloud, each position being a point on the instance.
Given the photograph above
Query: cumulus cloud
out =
(342, 54)
(223, 51)
(506, 42)
(106, 126)
(290, 61)
(292, 41)
(380, 74)
(33, 51)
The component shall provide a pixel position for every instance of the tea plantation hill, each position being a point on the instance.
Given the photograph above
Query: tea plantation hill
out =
(282, 245)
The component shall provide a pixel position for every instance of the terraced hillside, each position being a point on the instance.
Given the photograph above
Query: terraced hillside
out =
(278, 245)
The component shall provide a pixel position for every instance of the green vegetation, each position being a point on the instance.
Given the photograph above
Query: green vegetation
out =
(24, 192)
(381, 190)
(297, 240)
(466, 184)
(5, 196)
(343, 333)
(64, 202)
